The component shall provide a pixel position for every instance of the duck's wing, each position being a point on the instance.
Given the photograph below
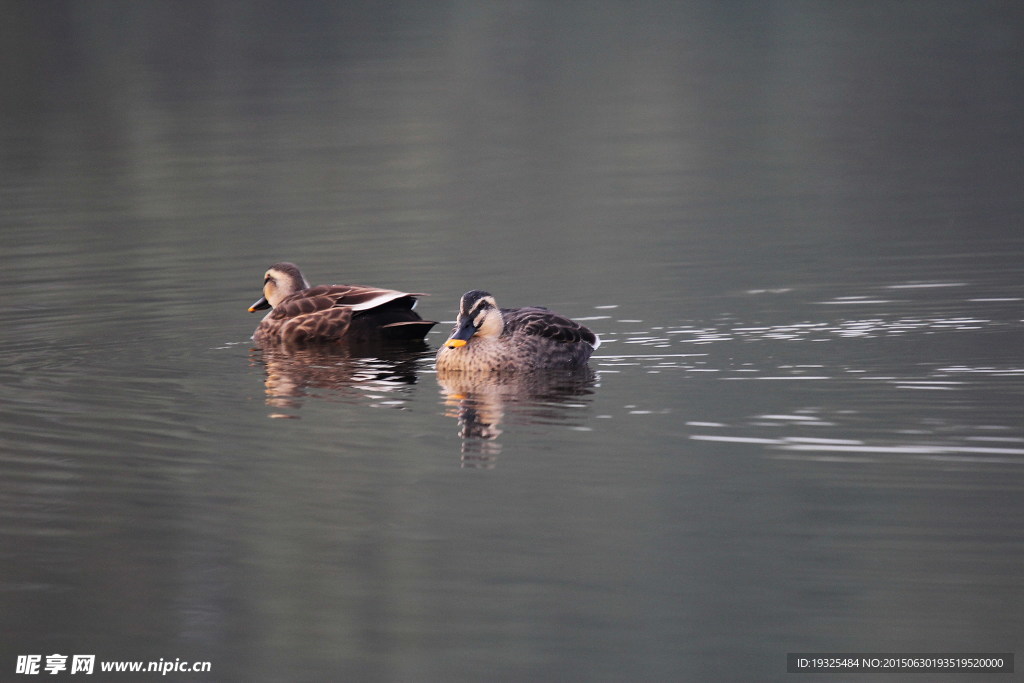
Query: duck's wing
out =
(318, 325)
(541, 322)
(349, 297)
(362, 298)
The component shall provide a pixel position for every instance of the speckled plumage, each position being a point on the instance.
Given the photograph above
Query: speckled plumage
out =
(333, 313)
(502, 340)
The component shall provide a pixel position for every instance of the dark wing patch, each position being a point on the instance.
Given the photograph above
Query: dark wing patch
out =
(541, 322)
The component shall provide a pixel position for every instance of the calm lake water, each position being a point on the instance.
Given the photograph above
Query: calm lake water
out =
(797, 228)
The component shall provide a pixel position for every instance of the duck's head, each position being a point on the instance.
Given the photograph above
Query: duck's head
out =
(281, 280)
(479, 316)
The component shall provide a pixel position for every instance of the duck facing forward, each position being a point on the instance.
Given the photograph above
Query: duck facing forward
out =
(501, 340)
(333, 313)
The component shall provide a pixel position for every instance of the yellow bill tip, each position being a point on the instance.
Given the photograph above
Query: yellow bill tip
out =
(252, 309)
(455, 343)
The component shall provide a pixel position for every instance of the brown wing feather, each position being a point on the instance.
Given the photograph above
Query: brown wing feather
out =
(327, 324)
(324, 297)
(301, 304)
(360, 296)
(541, 322)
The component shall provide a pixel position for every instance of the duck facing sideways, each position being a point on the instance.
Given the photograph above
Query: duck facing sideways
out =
(491, 339)
(333, 313)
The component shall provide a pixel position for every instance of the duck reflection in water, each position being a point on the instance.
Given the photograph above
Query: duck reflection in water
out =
(483, 403)
(379, 376)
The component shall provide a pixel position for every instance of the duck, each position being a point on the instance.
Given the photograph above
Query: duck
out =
(489, 339)
(333, 313)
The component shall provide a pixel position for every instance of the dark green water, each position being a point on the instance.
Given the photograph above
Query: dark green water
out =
(796, 227)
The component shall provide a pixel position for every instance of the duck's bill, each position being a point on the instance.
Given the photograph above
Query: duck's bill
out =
(461, 336)
(260, 305)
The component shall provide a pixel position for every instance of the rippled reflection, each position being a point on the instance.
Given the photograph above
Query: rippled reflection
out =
(483, 403)
(379, 377)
